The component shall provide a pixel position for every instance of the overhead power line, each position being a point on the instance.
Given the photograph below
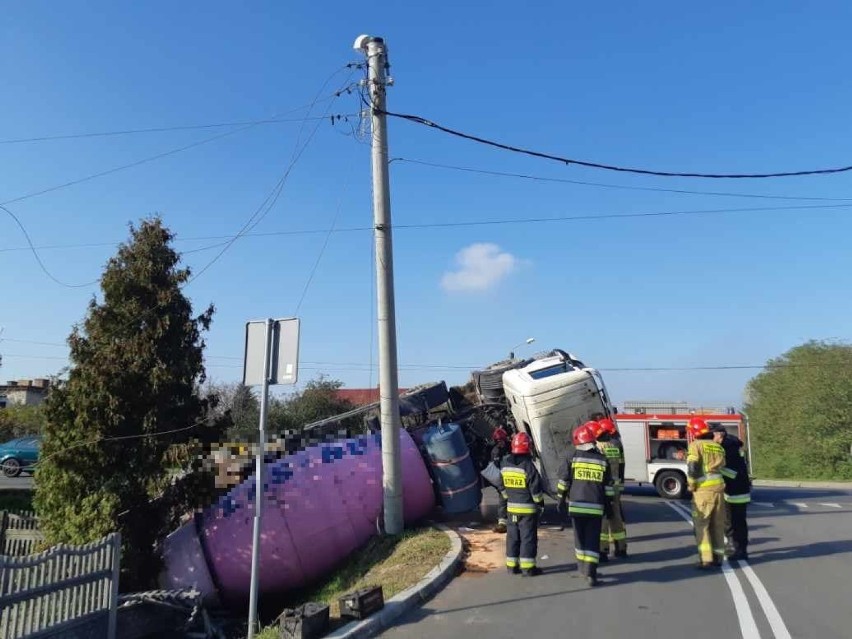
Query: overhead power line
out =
(626, 187)
(608, 167)
(140, 162)
(462, 223)
(167, 129)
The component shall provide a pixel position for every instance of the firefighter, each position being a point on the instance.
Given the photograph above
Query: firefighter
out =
(498, 452)
(521, 487)
(613, 531)
(737, 492)
(705, 460)
(586, 481)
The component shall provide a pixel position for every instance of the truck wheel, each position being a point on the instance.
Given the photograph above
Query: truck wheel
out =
(670, 484)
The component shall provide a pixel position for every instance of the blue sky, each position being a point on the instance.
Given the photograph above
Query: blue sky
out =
(725, 86)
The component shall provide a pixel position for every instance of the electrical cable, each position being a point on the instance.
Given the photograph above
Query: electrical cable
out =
(607, 167)
(38, 257)
(273, 196)
(625, 187)
(167, 129)
(313, 270)
(537, 220)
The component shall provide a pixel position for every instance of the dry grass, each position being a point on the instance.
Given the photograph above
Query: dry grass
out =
(394, 563)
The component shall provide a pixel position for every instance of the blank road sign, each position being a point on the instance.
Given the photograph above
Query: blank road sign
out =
(284, 363)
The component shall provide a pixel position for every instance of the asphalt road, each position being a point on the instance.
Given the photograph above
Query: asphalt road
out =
(796, 583)
(21, 482)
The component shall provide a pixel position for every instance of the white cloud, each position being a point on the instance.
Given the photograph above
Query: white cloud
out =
(480, 266)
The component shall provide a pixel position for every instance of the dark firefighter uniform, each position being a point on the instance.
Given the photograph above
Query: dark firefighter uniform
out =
(521, 487)
(737, 496)
(613, 530)
(586, 481)
(705, 460)
(498, 452)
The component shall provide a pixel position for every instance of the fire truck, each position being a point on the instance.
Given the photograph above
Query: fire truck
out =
(655, 444)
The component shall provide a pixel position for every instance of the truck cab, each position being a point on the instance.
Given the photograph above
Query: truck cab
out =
(549, 398)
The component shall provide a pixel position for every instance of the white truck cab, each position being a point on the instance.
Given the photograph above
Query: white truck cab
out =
(549, 398)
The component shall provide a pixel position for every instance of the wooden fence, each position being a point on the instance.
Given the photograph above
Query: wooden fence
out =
(19, 533)
(54, 592)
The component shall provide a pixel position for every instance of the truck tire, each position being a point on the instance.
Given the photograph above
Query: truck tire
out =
(670, 484)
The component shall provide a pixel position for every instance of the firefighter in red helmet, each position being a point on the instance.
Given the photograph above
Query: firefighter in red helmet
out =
(705, 460)
(522, 488)
(613, 531)
(498, 452)
(585, 481)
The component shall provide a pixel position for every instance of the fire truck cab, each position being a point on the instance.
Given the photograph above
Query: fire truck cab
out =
(655, 447)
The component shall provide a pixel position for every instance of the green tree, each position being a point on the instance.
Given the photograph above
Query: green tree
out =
(18, 421)
(318, 400)
(131, 403)
(240, 404)
(800, 413)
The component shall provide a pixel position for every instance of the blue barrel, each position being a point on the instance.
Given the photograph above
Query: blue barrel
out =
(452, 468)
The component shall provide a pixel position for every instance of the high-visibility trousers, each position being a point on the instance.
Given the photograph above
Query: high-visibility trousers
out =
(708, 515)
(736, 527)
(587, 538)
(521, 541)
(613, 530)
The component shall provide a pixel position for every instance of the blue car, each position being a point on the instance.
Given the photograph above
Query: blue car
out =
(18, 455)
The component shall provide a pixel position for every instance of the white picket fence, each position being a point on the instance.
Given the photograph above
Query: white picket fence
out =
(51, 593)
(19, 533)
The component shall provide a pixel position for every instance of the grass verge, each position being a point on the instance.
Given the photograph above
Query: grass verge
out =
(395, 563)
(16, 500)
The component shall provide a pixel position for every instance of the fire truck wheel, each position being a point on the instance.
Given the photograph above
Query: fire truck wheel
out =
(671, 484)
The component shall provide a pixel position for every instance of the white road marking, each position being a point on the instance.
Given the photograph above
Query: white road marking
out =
(748, 627)
(831, 505)
(798, 504)
(769, 609)
(765, 504)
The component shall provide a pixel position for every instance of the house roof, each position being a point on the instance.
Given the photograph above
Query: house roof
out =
(361, 396)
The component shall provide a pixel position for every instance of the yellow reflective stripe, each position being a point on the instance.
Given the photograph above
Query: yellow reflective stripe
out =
(713, 447)
(618, 536)
(521, 509)
(561, 485)
(504, 495)
(538, 498)
(738, 499)
(727, 472)
(527, 563)
(587, 556)
(512, 562)
(705, 547)
(590, 465)
(585, 511)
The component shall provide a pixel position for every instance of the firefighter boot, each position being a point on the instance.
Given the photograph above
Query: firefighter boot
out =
(514, 570)
(500, 527)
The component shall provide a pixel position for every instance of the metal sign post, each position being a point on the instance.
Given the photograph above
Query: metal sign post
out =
(271, 357)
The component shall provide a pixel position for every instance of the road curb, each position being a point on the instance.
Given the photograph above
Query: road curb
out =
(410, 598)
(792, 483)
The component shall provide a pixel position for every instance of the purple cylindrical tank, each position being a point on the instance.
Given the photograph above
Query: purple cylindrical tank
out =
(320, 504)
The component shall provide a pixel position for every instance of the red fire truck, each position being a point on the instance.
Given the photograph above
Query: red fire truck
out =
(655, 445)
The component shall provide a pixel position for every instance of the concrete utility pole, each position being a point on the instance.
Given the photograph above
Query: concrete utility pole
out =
(377, 62)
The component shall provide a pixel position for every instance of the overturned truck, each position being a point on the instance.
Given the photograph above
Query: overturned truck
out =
(323, 491)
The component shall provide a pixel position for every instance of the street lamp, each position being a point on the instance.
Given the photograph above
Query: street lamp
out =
(528, 340)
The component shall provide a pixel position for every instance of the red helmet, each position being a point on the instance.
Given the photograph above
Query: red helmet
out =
(500, 434)
(586, 434)
(607, 426)
(697, 427)
(521, 444)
